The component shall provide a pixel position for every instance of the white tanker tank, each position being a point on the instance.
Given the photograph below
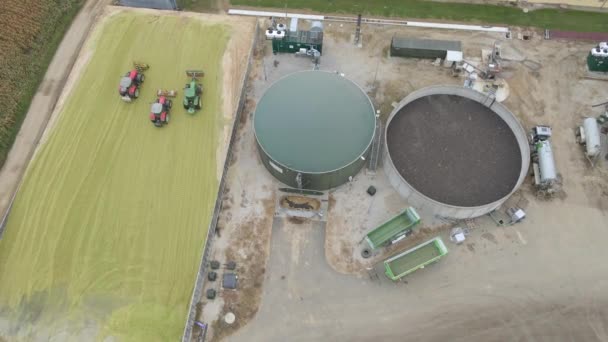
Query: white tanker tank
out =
(545, 173)
(546, 164)
(589, 135)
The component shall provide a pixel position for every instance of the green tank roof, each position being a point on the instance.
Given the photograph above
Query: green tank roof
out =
(314, 122)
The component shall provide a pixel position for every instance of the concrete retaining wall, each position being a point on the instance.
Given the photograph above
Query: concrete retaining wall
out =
(421, 201)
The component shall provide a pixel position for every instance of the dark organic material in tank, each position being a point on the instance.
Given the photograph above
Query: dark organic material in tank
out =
(454, 150)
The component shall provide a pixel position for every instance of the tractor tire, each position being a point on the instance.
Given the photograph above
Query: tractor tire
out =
(199, 90)
(167, 119)
(169, 103)
(142, 78)
(136, 94)
(198, 104)
(186, 107)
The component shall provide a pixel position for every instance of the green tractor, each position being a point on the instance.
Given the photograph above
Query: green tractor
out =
(193, 92)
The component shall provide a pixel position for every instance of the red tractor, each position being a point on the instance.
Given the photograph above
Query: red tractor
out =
(130, 83)
(159, 113)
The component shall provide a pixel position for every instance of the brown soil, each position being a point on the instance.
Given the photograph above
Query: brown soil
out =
(454, 150)
(250, 256)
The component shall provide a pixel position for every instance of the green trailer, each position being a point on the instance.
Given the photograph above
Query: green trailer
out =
(398, 226)
(409, 261)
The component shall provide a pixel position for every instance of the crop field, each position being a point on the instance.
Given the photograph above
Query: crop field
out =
(30, 31)
(107, 230)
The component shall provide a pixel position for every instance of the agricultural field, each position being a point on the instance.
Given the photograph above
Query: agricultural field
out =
(31, 31)
(423, 9)
(107, 230)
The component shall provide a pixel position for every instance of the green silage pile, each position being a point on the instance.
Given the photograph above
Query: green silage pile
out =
(109, 224)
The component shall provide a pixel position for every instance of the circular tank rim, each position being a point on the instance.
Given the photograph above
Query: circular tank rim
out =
(363, 152)
(475, 96)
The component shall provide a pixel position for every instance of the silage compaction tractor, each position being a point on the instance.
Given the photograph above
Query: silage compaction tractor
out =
(159, 112)
(128, 87)
(193, 91)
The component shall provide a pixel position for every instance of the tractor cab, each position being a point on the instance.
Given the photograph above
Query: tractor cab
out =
(190, 91)
(157, 108)
(124, 87)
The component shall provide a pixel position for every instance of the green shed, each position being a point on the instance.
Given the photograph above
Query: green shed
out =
(314, 129)
(423, 48)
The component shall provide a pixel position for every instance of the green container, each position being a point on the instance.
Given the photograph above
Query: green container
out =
(597, 63)
(294, 41)
(416, 258)
(396, 226)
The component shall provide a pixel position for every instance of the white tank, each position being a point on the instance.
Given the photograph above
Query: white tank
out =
(603, 45)
(281, 27)
(546, 163)
(270, 34)
(316, 26)
(592, 137)
(279, 34)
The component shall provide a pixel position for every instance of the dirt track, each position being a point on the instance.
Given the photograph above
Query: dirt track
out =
(44, 101)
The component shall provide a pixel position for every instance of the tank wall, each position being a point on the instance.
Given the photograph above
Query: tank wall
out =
(312, 181)
(421, 201)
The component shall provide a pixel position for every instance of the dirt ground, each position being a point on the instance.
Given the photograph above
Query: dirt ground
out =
(489, 288)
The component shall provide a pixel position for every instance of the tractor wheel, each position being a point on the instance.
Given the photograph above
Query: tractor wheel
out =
(136, 94)
(169, 104)
(142, 77)
(167, 118)
(186, 106)
(198, 104)
(199, 90)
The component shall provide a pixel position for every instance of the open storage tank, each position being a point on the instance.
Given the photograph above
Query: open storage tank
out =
(454, 151)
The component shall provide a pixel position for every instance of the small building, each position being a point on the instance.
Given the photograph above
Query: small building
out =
(296, 40)
(154, 4)
(423, 48)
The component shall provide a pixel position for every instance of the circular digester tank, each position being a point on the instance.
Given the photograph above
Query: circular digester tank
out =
(454, 151)
(314, 129)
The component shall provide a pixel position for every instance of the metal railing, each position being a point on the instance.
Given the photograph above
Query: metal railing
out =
(374, 155)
